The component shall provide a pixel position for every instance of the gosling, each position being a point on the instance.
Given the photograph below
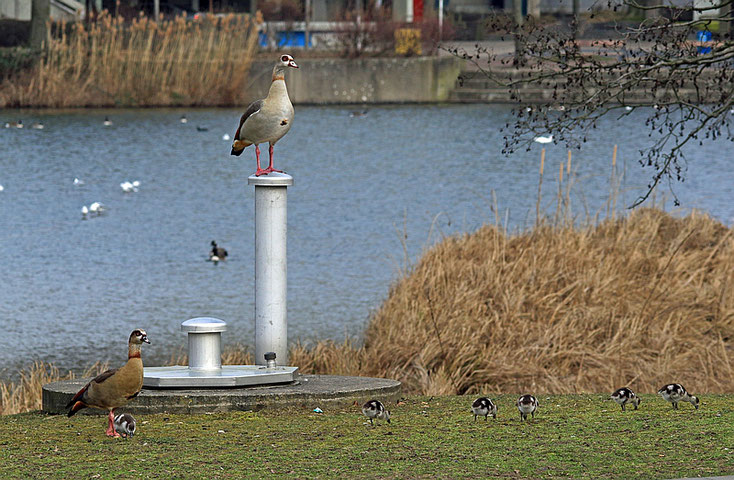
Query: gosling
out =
(484, 407)
(527, 404)
(624, 395)
(124, 424)
(375, 409)
(675, 393)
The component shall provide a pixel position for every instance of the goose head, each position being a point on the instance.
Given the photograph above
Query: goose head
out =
(138, 336)
(286, 61)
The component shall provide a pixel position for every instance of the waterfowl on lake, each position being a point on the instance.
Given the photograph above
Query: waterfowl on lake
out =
(107, 122)
(358, 113)
(624, 395)
(674, 393)
(114, 388)
(97, 208)
(128, 186)
(527, 404)
(543, 139)
(37, 125)
(374, 409)
(226, 137)
(217, 253)
(78, 182)
(200, 128)
(267, 120)
(124, 424)
(85, 212)
(18, 124)
(483, 407)
(183, 119)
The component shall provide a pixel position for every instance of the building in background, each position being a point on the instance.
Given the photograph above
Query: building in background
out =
(60, 10)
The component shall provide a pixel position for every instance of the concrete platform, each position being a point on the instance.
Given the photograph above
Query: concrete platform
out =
(308, 391)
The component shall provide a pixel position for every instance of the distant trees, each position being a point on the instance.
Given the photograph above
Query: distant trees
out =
(679, 60)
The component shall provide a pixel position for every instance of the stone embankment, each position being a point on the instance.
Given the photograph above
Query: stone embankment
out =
(363, 80)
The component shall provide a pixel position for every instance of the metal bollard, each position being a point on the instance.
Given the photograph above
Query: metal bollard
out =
(271, 212)
(205, 342)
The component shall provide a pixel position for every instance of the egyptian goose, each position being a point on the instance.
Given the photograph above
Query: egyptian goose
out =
(217, 253)
(527, 404)
(483, 407)
(624, 396)
(375, 409)
(267, 120)
(675, 393)
(114, 388)
(125, 424)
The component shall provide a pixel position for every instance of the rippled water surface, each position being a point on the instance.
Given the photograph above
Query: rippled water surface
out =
(368, 190)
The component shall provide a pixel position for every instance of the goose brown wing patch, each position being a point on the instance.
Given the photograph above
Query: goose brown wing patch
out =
(251, 110)
(104, 376)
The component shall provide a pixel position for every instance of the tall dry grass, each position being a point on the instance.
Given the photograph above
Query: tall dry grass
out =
(638, 301)
(140, 63)
(25, 394)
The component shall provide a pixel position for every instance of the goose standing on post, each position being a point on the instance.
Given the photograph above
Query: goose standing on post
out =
(114, 388)
(267, 120)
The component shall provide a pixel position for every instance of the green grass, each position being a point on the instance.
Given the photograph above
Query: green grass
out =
(572, 436)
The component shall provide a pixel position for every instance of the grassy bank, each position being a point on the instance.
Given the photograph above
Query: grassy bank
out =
(573, 436)
(142, 63)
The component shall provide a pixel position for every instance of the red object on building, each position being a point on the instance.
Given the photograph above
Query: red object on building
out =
(417, 10)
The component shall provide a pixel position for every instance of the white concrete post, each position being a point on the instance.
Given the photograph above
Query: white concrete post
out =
(271, 322)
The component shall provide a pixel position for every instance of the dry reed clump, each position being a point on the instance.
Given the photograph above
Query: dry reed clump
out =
(639, 301)
(142, 63)
(25, 394)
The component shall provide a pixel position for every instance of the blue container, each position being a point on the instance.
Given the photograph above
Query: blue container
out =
(704, 36)
(295, 39)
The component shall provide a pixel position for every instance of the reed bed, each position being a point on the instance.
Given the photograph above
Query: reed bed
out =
(639, 301)
(139, 63)
(25, 394)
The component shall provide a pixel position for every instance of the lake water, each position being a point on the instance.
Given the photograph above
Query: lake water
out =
(71, 290)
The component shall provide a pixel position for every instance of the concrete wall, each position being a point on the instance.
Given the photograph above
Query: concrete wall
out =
(366, 80)
(566, 6)
(15, 9)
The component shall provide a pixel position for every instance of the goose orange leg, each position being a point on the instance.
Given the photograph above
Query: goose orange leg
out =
(270, 167)
(110, 427)
(260, 170)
